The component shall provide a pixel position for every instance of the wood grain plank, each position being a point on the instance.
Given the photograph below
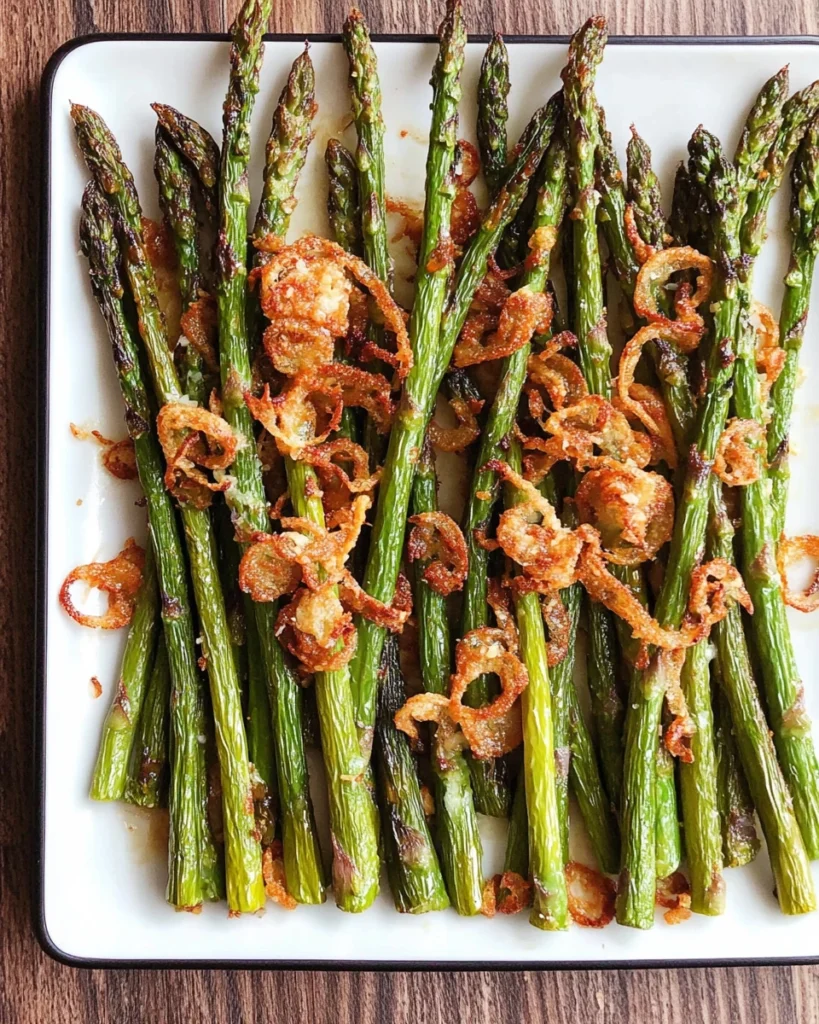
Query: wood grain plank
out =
(35, 990)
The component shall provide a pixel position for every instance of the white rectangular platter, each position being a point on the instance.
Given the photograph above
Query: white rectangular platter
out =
(102, 870)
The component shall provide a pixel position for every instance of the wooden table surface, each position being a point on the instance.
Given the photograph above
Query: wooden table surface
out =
(34, 989)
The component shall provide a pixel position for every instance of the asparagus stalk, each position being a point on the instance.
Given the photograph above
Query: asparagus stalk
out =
(343, 204)
(667, 840)
(783, 839)
(698, 790)
(352, 819)
(644, 191)
(412, 864)
(243, 859)
(585, 55)
(198, 148)
(493, 111)
(122, 723)
(247, 499)
(612, 209)
(148, 765)
(176, 201)
(804, 228)
(365, 91)
(769, 625)
(99, 245)
(546, 847)
(635, 897)
(286, 150)
(740, 843)
(516, 856)
(456, 827)
(483, 490)
(804, 246)
(433, 338)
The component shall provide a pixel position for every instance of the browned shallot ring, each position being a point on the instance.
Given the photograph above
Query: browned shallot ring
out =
(311, 247)
(119, 579)
(199, 325)
(594, 421)
(456, 439)
(391, 616)
(642, 250)
(325, 458)
(294, 346)
(790, 550)
(657, 271)
(523, 314)
(591, 896)
(340, 636)
(770, 356)
(664, 330)
(190, 437)
(436, 537)
(482, 652)
(739, 454)
(663, 445)
(267, 570)
(499, 600)
(292, 417)
(633, 510)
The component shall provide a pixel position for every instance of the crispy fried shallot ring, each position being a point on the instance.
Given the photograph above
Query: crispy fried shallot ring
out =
(498, 599)
(770, 357)
(294, 346)
(595, 422)
(370, 391)
(678, 735)
(119, 579)
(665, 330)
(456, 439)
(311, 247)
(267, 570)
(642, 250)
(633, 510)
(655, 274)
(541, 242)
(557, 374)
(545, 550)
(199, 326)
(437, 538)
(306, 412)
(739, 454)
(391, 616)
(329, 459)
(491, 293)
(513, 892)
(591, 896)
(118, 457)
(663, 446)
(524, 313)
(321, 635)
(465, 218)
(494, 729)
(431, 707)
(191, 437)
(790, 550)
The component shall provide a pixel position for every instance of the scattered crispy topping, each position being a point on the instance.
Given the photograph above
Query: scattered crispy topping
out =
(740, 451)
(591, 896)
(674, 893)
(199, 325)
(275, 883)
(456, 439)
(192, 437)
(119, 578)
(790, 550)
(770, 357)
(118, 457)
(523, 314)
(437, 538)
(656, 272)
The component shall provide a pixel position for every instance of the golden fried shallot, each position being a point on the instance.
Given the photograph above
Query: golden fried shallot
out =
(649, 399)
(321, 634)
(119, 579)
(593, 421)
(436, 537)
(192, 437)
(199, 326)
(456, 439)
(391, 616)
(793, 549)
(655, 274)
(739, 454)
(633, 510)
(591, 896)
(523, 314)
(303, 415)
